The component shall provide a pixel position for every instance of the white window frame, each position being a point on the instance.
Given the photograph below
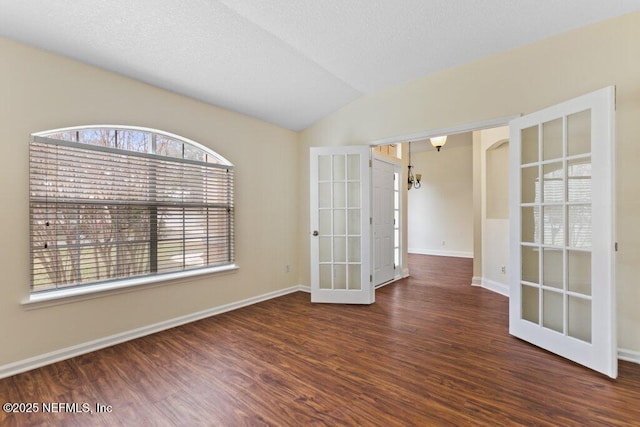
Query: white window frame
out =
(98, 288)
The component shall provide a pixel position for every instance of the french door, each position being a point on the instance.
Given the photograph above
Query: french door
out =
(340, 195)
(562, 293)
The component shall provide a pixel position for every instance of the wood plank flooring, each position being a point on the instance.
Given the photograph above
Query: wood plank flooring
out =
(432, 350)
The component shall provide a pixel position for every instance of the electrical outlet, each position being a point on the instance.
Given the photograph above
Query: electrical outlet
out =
(444, 243)
(503, 269)
(287, 268)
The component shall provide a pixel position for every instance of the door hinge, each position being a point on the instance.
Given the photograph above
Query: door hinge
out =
(616, 246)
(370, 163)
(371, 277)
(370, 220)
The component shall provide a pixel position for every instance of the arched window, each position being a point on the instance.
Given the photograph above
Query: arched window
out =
(112, 203)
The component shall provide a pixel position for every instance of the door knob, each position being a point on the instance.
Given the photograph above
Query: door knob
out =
(315, 232)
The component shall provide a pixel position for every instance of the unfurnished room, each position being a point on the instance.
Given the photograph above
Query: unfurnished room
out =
(291, 213)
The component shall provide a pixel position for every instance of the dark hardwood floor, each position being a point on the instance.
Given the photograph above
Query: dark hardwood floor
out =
(432, 350)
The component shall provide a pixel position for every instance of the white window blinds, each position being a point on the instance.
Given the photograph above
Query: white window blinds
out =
(102, 213)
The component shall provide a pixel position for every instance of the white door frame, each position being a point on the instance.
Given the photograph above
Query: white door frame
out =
(397, 169)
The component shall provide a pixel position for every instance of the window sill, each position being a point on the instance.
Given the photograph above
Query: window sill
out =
(63, 296)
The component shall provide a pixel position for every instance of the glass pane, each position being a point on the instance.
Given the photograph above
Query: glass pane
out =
(579, 266)
(339, 249)
(552, 139)
(396, 200)
(324, 220)
(531, 224)
(530, 267)
(579, 177)
(354, 277)
(580, 226)
(353, 219)
(195, 253)
(530, 304)
(340, 276)
(325, 276)
(338, 168)
(553, 220)
(552, 310)
(324, 195)
(553, 183)
(354, 194)
(168, 147)
(579, 133)
(191, 152)
(552, 267)
(338, 195)
(324, 168)
(529, 137)
(396, 256)
(170, 256)
(580, 318)
(354, 249)
(134, 140)
(339, 224)
(99, 137)
(325, 249)
(353, 165)
(530, 185)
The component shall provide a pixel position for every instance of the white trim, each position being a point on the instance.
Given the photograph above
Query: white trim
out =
(80, 293)
(304, 288)
(476, 281)
(469, 127)
(87, 347)
(456, 254)
(496, 287)
(629, 355)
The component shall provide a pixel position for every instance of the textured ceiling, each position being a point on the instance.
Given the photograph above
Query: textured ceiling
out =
(289, 62)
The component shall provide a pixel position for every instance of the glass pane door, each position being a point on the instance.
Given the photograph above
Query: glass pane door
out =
(340, 248)
(561, 198)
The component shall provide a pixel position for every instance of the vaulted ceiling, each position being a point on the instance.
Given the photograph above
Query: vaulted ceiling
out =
(289, 62)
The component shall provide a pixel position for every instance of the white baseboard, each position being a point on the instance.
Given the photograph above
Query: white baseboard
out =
(497, 287)
(304, 288)
(87, 347)
(456, 254)
(629, 355)
(476, 281)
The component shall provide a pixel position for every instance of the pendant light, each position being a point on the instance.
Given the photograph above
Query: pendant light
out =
(413, 181)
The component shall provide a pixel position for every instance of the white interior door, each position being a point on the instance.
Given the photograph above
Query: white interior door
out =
(340, 189)
(562, 295)
(383, 222)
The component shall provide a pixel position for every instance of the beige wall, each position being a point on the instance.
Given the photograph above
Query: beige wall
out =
(519, 81)
(40, 91)
(442, 209)
(497, 161)
(494, 208)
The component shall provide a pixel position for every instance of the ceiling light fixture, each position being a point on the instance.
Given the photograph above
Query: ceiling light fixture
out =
(438, 141)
